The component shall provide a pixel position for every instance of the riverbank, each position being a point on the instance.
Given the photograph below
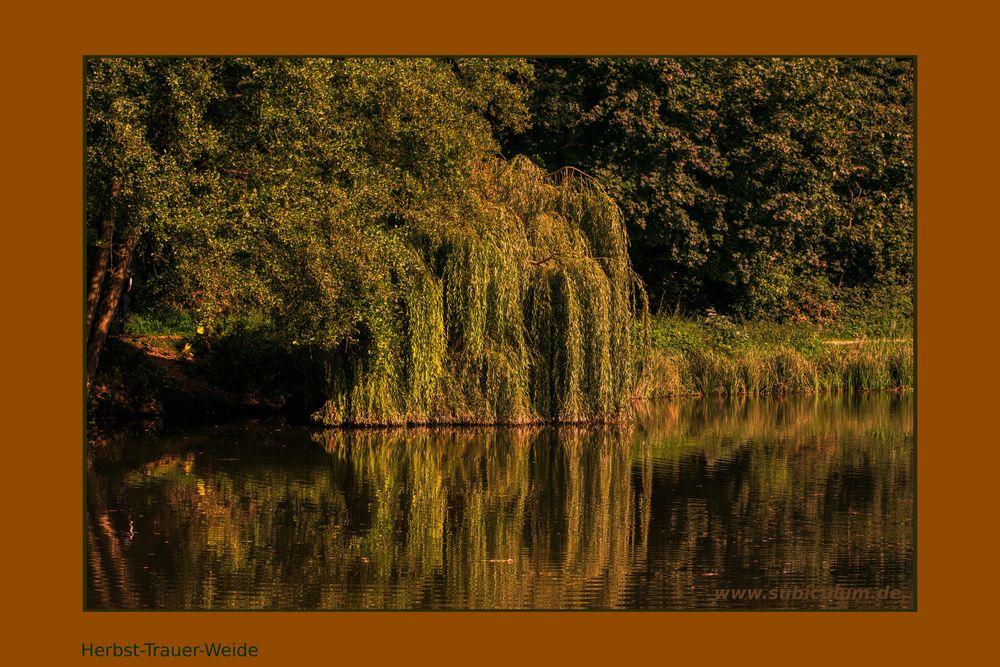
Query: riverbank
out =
(155, 374)
(148, 380)
(716, 356)
(860, 367)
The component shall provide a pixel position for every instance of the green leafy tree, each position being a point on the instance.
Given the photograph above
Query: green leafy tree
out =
(226, 176)
(748, 184)
(145, 129)
(357, 209)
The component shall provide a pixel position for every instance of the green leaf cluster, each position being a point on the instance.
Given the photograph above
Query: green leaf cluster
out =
(750, 185)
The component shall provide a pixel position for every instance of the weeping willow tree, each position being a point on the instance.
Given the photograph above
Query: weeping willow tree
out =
(352, 217)
(524, 310)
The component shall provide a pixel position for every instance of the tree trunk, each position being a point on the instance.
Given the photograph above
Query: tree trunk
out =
(109, 304)
(101, 261)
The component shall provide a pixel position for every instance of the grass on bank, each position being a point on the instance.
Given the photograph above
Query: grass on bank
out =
(718, 356)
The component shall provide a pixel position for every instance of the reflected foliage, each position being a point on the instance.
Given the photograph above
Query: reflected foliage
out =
(697, 497)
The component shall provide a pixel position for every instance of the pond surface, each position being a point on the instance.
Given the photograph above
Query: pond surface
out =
(702, 504)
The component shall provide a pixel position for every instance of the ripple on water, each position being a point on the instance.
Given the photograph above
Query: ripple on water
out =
(701, 499)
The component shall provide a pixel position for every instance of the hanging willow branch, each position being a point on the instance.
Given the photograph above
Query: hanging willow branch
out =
(488, 335)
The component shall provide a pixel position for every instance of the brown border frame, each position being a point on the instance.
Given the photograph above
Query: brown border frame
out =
(42, 113)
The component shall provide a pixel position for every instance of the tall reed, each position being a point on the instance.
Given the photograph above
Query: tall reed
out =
(756, 371)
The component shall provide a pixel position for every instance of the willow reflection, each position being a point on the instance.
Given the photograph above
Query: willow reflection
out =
(699, 496)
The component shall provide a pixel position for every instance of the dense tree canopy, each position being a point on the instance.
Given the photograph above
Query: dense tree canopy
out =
(250, 179)
(750, 185)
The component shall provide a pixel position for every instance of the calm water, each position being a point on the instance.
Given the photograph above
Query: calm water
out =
(803, 503)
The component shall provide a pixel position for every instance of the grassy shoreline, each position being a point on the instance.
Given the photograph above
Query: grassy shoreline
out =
(883, 366)
(167, 371)
(717, 356)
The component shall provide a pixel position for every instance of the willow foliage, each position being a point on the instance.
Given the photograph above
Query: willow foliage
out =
(525, 310)
(349, 219)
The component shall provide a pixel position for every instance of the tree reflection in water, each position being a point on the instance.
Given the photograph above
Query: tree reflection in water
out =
(695, 498)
